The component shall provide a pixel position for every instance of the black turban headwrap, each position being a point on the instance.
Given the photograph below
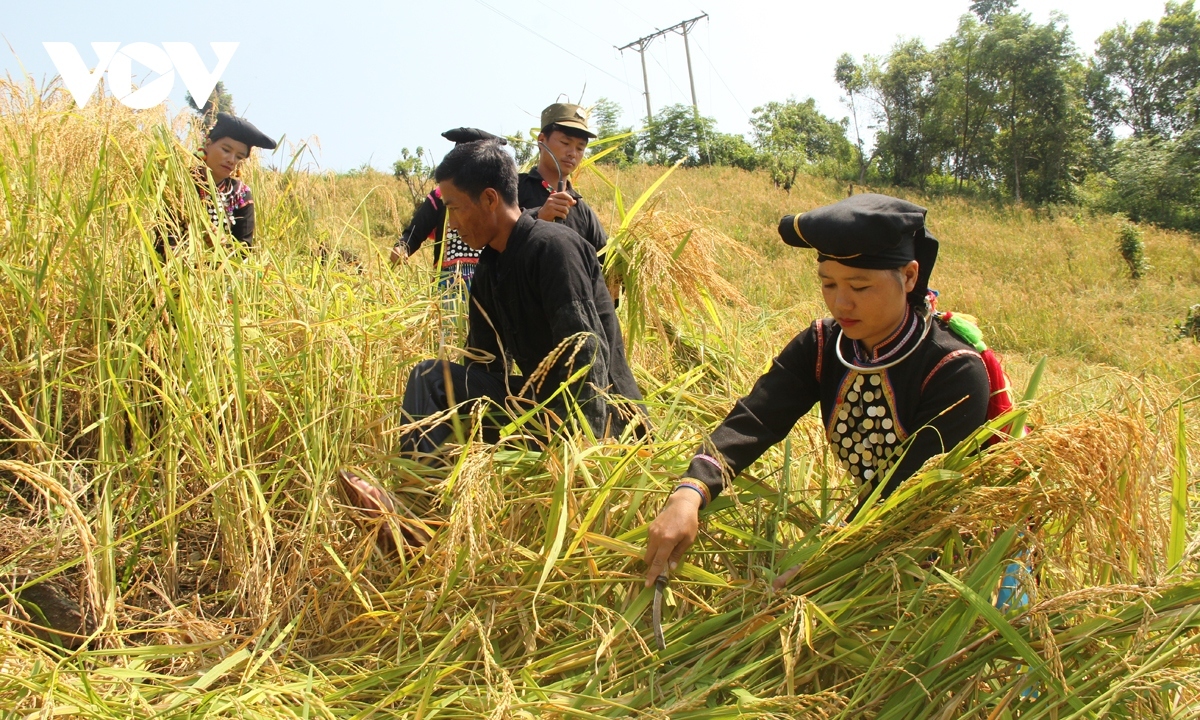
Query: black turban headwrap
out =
(466, 135)
(870, 231)
(243, 131)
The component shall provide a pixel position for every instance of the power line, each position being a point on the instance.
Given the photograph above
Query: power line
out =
(722, 79)
(559, 12)
(667, 71)
(644, 42)
(708, 28)
(633, 12)
(546, 39)
(629, 88)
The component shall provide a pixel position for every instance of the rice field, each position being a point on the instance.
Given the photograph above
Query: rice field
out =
(171, 435)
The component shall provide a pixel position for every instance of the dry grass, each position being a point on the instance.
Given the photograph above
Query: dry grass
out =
(1041, 283)
(171, 435)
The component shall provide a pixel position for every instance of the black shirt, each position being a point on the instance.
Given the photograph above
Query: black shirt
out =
(533, 192)
(232, 209)
(545, 287)
(242, 220)
(939, 391)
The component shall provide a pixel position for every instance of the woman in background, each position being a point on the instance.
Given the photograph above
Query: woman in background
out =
(231, 208)
(229, 143)
(454, 258)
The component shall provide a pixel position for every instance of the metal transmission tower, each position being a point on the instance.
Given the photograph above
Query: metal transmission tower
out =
(642, 43)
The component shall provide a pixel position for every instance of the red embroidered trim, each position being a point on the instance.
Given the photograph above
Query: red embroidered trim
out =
(820, 347)
(890, 399)
(949, 356)
(711, 461)
(839, 400)
(905, 324)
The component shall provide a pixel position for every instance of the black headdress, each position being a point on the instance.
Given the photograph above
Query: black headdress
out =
(241, 130)
(871, 231)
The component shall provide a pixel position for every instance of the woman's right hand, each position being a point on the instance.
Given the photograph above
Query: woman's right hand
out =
(672, 533)
(399, 254)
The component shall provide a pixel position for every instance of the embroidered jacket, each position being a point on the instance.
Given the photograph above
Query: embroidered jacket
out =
(230, 213)
(232, 210)
(934, 397)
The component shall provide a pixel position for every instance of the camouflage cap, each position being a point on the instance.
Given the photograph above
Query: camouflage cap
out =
(567, 115)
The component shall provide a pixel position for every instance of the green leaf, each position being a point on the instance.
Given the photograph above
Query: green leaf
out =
(993, 617)
(1179, 496)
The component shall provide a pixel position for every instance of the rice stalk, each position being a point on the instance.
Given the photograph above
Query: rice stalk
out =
(172, 432)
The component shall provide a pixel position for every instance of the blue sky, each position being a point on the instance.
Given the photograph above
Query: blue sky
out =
(362, 80)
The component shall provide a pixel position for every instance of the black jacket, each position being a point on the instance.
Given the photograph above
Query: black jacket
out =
(428, 219)
(232, 213)
(545, 287)
(939, 392)
(243, 223)
(533, 192)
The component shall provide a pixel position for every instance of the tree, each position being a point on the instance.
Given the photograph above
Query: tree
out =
(900, 86)
(606, 118)
(1039, 105)
(416, 170)
(219, 100)
(676, 133)
(791, 135)
(524, 147)
(965, 91)
(606, 121)
(1142, 76)
(1155, 180)
(797, 126)
(986, 10)
(731, 150)
(852, 80)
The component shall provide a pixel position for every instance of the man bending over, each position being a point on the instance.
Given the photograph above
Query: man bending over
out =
(538, 301)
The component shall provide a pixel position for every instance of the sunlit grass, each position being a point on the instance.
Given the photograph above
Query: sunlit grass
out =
(171, 434)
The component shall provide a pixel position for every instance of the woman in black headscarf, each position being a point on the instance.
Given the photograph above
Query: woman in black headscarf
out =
(231, 207)
(894, 384)
(453, 258)
(229, 143)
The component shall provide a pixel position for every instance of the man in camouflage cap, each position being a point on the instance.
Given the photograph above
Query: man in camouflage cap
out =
(562, 144)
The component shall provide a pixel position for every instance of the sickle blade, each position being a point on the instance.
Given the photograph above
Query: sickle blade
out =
(660, 584)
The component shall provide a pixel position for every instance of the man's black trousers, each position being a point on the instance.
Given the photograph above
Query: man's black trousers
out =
(436, 385)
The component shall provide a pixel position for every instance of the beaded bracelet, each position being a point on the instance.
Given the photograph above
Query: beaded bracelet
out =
(700, 488)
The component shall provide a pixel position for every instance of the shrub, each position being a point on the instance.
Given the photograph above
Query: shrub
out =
(1190, 326)
(1133, 250)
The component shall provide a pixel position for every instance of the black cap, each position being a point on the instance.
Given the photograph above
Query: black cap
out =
(466, 135)
(241, 130)
(869, 231)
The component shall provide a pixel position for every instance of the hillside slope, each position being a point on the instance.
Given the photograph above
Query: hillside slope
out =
(171, 435)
